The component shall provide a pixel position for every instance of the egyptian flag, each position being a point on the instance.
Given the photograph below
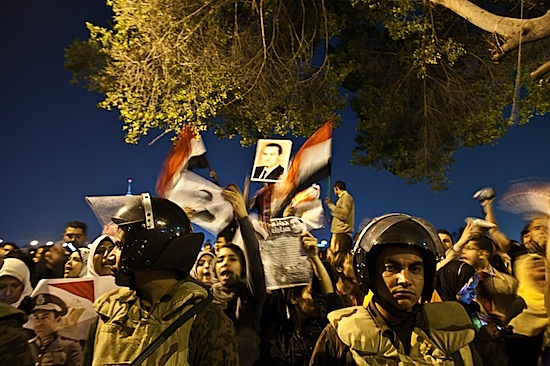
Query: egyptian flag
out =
(187, 152)
(310, 164)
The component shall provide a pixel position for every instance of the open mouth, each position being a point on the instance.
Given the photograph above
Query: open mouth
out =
(225, 273)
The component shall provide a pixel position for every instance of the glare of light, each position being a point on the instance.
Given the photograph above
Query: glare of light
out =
(49, 243)
(1, 241)
(323, 244)
(34, 242)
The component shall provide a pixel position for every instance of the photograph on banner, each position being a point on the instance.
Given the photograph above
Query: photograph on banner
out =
(271, 160)
(61, 314)
(202, 201)
(285, 261)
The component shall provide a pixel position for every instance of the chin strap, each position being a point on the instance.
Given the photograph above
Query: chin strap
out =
(171, 329)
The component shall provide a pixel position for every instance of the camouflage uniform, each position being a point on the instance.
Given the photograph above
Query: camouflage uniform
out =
(14, 349)
(360, 336)
(124, 329)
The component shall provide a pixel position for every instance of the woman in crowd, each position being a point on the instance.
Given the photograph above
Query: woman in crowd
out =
(240, 287)
(76, 265)
(203, 268)
(15, 281)
(346, 282)
(100, 247)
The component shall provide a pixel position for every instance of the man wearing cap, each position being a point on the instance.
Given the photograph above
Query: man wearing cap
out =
(48, 347)
(395, 258)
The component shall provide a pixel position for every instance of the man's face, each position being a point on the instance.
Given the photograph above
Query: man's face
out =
(538, 233)
(475, 257)
(228, 266)
(400, 276)
(220, 242)
(45, 322)
(446, 240)
(8, 248)
(55, 255)
(270, 156)
(75, 235)
(113, 259)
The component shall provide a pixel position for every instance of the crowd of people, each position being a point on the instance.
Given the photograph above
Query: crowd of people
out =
(395, 292)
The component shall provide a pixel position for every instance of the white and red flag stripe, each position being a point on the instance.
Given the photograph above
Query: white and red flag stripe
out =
(187, 148)
(311, 163)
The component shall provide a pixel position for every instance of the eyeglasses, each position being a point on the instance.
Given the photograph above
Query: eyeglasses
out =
(469, 247)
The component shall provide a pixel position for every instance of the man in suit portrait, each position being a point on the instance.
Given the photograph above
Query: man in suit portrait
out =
(270, 158)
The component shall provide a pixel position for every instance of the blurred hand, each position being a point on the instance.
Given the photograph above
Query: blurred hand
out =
(232, 194)
(498, 317)
(310, 244)
(327, 200)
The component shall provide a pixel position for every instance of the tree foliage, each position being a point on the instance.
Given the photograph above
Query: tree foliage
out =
(422, 80)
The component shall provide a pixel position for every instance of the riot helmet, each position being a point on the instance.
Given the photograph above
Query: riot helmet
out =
(158, 233)
(400, 230)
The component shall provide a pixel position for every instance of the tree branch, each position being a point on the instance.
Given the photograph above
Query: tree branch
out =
(508, 29)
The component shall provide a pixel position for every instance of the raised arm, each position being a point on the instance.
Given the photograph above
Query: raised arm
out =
(254, 269)
(310, 245)
(503, 242)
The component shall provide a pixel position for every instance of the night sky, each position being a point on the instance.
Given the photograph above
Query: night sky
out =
(57, 147)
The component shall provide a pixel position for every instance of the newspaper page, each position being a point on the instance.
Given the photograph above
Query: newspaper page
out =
(284, 259)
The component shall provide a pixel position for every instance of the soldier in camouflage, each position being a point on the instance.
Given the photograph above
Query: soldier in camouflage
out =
(153, 255)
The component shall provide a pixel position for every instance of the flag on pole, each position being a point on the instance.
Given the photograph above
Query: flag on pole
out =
(187, 151)
(310, 164)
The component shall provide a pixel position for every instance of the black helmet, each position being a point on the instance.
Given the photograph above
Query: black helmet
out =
(397, 229)
(158, 232)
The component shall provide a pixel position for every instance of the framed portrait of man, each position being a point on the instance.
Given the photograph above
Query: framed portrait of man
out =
(271, 160)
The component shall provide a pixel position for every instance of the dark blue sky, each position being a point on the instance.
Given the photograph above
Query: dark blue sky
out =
(57, 146)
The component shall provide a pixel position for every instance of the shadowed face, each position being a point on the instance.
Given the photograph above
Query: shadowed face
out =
(75, 235)
(10, 289)
(400, 276)
(446, 240)
(113, 260)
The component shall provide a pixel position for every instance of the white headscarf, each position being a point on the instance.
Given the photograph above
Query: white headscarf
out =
(17, 269)
(90, 267)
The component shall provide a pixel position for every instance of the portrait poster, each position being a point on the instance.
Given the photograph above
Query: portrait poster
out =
(202, 201)
(284, 258)
(271, 160)
(61, 315)
(78, 294)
